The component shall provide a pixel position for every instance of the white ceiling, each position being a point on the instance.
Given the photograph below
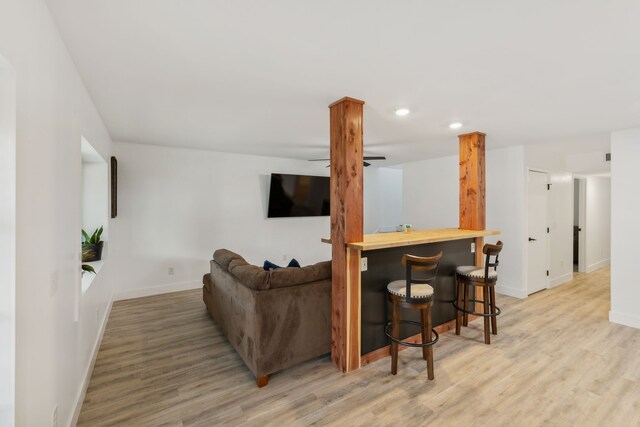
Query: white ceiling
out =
(257, 76)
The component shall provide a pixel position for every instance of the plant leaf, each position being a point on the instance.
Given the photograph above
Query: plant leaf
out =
(95, 238)
(87, 267)
(85, 237)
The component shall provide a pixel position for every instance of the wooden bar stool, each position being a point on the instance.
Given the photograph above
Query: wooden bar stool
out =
(416, 294)
(486, 278)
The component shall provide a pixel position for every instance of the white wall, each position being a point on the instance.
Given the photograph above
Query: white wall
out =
(7, 242)
(590, 162)
(598, 222)
(431, 201)
(430, 193)
(506, 211)
(625, 227)
(53, 351)
(382, 198)
(177, 206)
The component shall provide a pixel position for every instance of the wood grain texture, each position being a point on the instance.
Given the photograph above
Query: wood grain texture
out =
(346, 129)
(472, 181)
(384, 352)
(557, 361)
(416, 237)
(354, 285)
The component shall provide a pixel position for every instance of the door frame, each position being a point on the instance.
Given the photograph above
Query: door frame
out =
(582, 223)
(8, 108)
(525, 273)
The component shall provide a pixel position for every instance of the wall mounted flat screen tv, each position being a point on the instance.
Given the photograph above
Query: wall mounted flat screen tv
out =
(298, 195)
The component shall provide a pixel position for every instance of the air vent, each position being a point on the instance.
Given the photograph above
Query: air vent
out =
(607, 157)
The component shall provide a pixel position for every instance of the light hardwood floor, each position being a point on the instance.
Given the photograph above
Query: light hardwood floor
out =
(557, 361)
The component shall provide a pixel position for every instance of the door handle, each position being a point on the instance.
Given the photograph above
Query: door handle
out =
(579, 229)
(531, 239)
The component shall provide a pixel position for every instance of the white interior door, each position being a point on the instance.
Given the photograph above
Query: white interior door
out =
(537, 254)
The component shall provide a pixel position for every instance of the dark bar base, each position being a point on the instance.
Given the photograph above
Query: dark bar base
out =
(384, 266)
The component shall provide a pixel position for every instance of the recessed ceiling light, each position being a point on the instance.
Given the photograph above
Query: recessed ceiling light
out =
(455, 125)
(402, 111)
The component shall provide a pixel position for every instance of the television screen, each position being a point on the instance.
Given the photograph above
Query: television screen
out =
(298, 195)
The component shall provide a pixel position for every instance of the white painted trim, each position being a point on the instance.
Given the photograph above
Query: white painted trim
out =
(624, 319)
(598, 265)
(557, 281)
(87, 375)
(156, 290)
(512, 292)
(8, 284)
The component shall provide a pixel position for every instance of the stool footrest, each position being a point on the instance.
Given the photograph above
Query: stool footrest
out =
(410, 344)
(475, 313)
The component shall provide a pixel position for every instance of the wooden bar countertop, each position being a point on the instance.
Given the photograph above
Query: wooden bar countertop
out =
(416, 237)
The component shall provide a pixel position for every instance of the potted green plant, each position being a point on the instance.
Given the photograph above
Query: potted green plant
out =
(87, 267)
(92, 245)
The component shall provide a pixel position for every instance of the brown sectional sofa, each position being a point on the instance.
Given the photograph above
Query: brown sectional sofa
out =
(274, 319)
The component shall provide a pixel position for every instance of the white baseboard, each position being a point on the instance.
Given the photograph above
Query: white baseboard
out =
(598, 265)
(92, 362)
(156, 290)
(625, 319)
(557, 281)
(512, 292)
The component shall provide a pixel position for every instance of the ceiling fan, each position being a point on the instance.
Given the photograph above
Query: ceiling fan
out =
(365, 158)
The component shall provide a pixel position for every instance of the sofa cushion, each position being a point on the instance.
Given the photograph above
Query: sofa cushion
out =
(291, 276)
(268, 265)
(294, 263)
(224, 257)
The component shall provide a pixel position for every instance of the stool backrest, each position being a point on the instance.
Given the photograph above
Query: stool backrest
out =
(429, 265)
(491, 251)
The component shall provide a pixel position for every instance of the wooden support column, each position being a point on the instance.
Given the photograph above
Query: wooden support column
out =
(346, 118)
(472, 192)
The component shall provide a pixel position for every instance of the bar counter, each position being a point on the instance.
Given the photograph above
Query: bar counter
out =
(384, 252)
(416, 237)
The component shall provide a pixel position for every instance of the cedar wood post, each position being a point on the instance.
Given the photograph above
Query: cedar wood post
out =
(472, 191)
(346, 124)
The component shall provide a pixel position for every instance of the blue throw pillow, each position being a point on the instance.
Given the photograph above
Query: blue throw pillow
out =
(294, 263)
(268, 265)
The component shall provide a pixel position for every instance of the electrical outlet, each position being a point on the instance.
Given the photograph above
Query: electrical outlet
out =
(171, 271)
(54, 417)
(473, 246)
(363, 264)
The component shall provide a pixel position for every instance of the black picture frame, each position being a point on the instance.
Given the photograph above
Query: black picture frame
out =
(114, 187)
